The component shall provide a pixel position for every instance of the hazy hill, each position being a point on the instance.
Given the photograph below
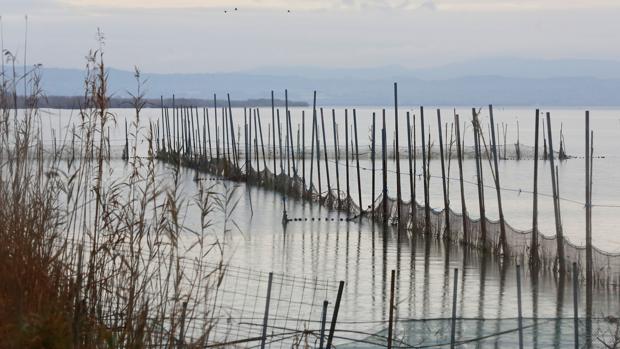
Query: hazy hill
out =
(503, 81)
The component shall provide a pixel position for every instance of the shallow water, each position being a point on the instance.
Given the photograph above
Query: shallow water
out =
(363, 254)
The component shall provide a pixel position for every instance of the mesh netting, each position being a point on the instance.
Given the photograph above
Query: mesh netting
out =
(463, 229)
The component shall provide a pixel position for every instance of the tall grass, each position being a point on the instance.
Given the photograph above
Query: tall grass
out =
(91, 262)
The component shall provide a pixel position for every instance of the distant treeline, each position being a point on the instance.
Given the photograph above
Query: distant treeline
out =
(76, 102)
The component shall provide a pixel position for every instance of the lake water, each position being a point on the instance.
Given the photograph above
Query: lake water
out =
(363, 254)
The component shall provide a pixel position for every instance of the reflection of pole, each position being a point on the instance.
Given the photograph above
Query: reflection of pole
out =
(391, 323)
(520, 313)
(453, 328)
(575, 305)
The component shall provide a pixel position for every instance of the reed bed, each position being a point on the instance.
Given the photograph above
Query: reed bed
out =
(91, 262)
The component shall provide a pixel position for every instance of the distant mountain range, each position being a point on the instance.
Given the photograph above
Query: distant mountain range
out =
(502, 81)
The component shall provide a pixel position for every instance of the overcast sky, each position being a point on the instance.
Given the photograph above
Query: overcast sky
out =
(198, 36)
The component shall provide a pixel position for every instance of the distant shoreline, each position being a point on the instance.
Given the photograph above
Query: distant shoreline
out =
(76, 102)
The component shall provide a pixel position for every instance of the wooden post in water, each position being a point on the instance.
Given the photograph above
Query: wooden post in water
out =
(266, 314)
(502, 222)
(246, 150)
(291, 143)
(303, 149)
(427, 209)
(323, 320)
(329, 184)
(589, 266)
(384, 171)
(534, 257)
(346, 154)
(318, 150)
(262, 144)
(332, 327)
(256, 153)
(479, 175)
(373, 155)
(459, 150)
(556, 200)
(312, 140)
(217, 138)
(446, 200)
(273, 132)
(357, 161)
(232, 133)
(399, 196)
(409, 155)
(391, 311)
(280, 141)
(335, 130)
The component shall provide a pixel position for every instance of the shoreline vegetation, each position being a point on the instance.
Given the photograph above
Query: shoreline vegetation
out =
(88, 262)
(77, 102)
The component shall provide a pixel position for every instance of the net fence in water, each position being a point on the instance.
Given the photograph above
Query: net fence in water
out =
(469, 231)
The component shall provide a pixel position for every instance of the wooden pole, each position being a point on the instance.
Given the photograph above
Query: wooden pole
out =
(217, 137)
(291, 143)
(479, 175)
(373, 155)
(280, 141)
(384, 195)
(232, 133)
(399, 197)
(332, 327)
(335, 130)
(556, 199)
(589, 266)
(246, 149)
(303, 148)
(329, 185)
(318, 150)
(262, 144)
(256, 153)
(273, 132)
(312, 141)
(346, 154)
(323, 320)
(266, 314)
(409, 155)
(427, 209)
(462, 186)
(502, 222)
(534, 257)
(357, 161)
(446, 200)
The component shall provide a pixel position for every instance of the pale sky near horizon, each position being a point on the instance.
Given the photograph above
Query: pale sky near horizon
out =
(198, 36)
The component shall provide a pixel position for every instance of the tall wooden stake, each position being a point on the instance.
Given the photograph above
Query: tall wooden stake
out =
(446, 200)
(357, 161)
(459, 150)
(534, 257)
(335, 130)
(502, 222)
(399, 196)
(556, 200)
